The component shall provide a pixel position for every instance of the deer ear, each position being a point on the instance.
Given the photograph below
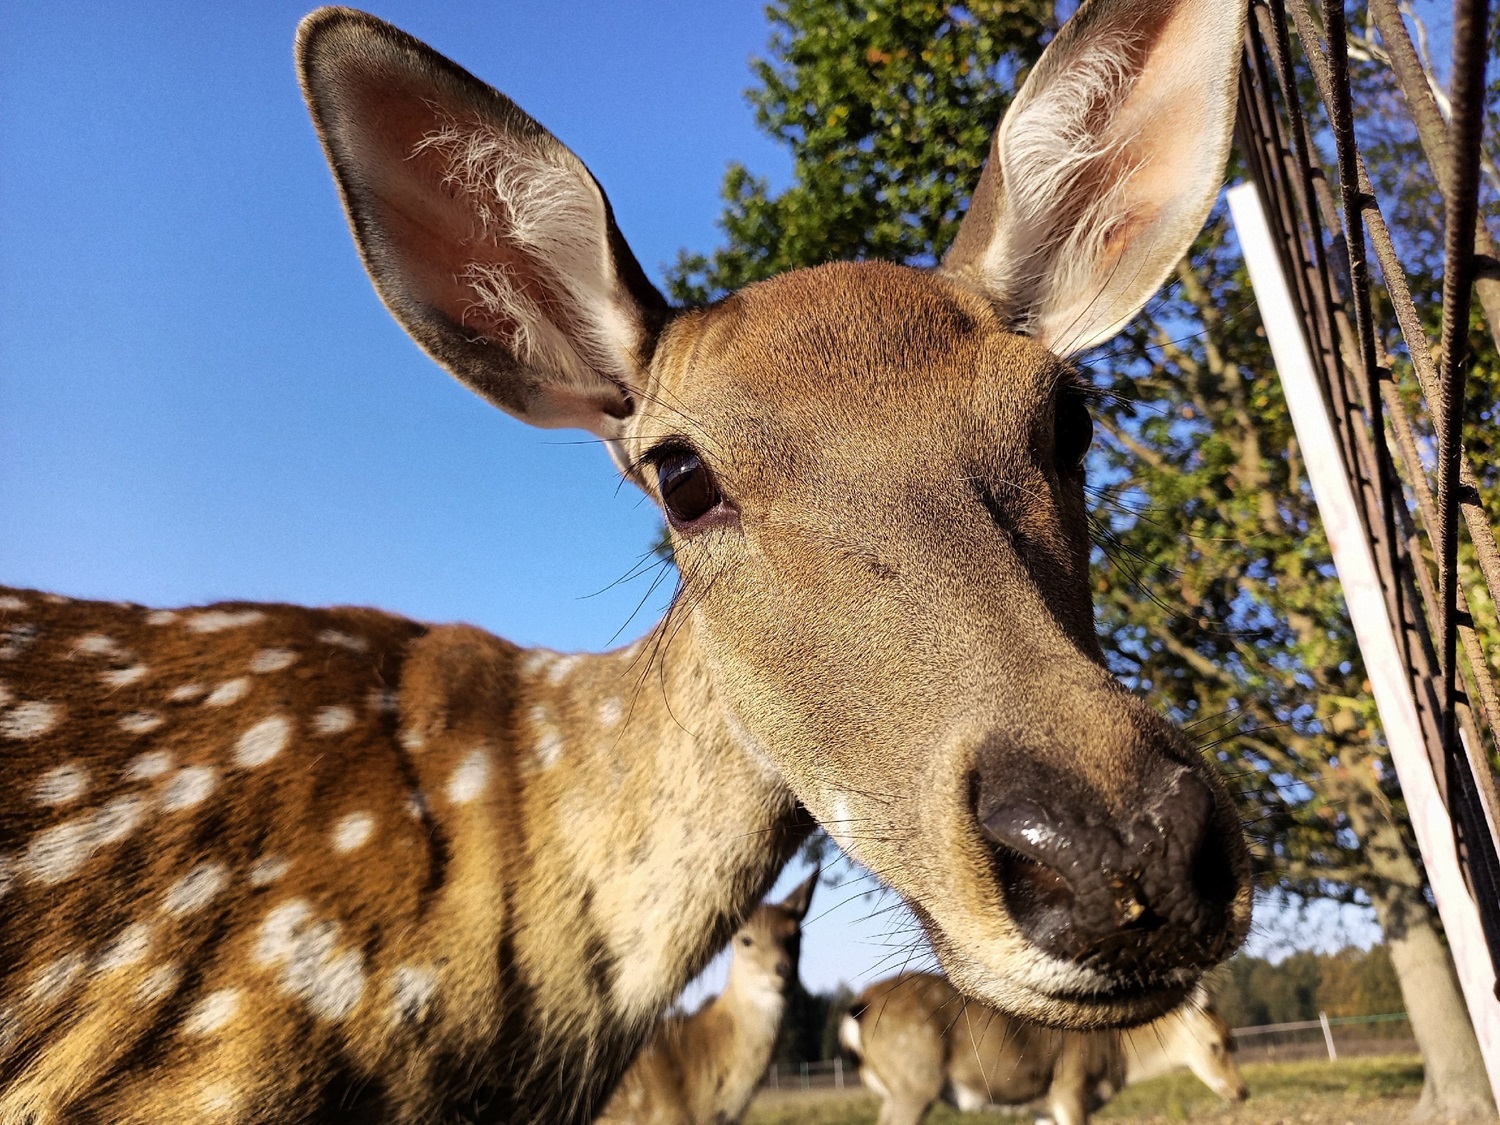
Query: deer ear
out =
(800, 899)
(1105, 167)
(488, 240)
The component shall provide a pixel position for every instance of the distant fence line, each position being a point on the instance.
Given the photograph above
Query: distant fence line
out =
(1325, 1037)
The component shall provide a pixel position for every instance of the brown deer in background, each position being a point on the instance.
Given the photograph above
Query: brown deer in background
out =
(704, 1068)
(918, 1040)
(260, 863)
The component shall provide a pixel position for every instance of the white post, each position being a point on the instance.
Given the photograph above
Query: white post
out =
(1372, 625)
(1333, 1055)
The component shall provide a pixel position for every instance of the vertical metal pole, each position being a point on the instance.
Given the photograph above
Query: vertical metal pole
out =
(1355, 563)
(1333, 1055)
(838, 1072)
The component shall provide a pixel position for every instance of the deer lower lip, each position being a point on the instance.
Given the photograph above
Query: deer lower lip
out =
(1128, 994)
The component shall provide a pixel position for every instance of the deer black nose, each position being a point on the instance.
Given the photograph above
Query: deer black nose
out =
(1086, 891)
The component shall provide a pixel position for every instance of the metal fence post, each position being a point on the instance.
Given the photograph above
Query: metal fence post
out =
(838, 1073)
(1355, 563)
(1333, 1055)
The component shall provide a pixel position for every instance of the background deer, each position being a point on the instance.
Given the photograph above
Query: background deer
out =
(265, 863)
(703, 1069)
(918, 1041)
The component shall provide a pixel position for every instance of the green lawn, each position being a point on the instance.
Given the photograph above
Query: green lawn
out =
(1374, 1091)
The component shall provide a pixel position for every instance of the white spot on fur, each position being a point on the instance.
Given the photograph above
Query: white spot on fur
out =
(159, 983)
(186, 693)
(382, 701)
(330, 984)
(117, 819)
(416, 805)
(188, 788)
(145, 767)
(272, 660)
(333, 720)
(123, 677)
(61, 785)
(195, 890)
(535, 660)
(230, 691)
(336, 989)
(11, 603)
(212, 1012)
(352, 831)
(262, 742)
(412, 741)
(96, 644)
(127, 948)
(57, 853)
(161, 617)
(31, 719)
(610, 712)
(561, 668)
(140, 722)
(218, 1099)
(55, 979)
(217, 620)
(549, 745)
(278, 935)
(471, 778)
(16, 640)
(268, 869)
(343, 640)
(412, 987)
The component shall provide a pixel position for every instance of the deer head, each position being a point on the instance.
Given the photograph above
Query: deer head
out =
(873, 476)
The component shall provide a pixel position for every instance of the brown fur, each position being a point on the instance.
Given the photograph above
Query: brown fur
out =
(918, 1040)
(703, 1068)
(440, 886)
(885, 622)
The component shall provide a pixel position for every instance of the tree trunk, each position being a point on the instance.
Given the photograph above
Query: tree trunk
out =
(1456, 1086)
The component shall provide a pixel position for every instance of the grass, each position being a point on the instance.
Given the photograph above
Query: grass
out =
(1373, 1091)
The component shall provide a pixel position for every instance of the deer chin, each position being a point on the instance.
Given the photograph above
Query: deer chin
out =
(1028, 983)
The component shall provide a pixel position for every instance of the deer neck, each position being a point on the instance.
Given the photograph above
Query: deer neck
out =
(640, 796)
(744, 1022)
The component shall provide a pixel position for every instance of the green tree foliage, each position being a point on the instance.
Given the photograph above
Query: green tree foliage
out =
(887, 107)
(1252, 991)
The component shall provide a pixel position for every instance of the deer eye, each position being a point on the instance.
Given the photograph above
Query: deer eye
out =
(688, 489)
(1075, 430)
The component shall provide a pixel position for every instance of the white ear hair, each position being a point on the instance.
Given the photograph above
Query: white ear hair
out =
(1104, 168)
(487, 239)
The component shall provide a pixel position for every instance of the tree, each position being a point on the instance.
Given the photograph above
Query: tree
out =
(1214, 580)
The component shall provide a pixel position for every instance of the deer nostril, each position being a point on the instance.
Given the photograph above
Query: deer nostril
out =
(1037, 893)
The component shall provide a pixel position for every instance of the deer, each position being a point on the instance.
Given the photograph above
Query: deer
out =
(704, 1068)
(917, 1041)
(270, 863)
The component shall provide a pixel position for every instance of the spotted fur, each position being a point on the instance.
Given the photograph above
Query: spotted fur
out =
(237, 911)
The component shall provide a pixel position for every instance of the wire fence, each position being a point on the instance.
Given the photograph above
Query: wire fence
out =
(1327, 1037)
(1396, 390)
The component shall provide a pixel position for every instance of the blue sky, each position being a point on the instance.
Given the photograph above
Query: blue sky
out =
(201, 396)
